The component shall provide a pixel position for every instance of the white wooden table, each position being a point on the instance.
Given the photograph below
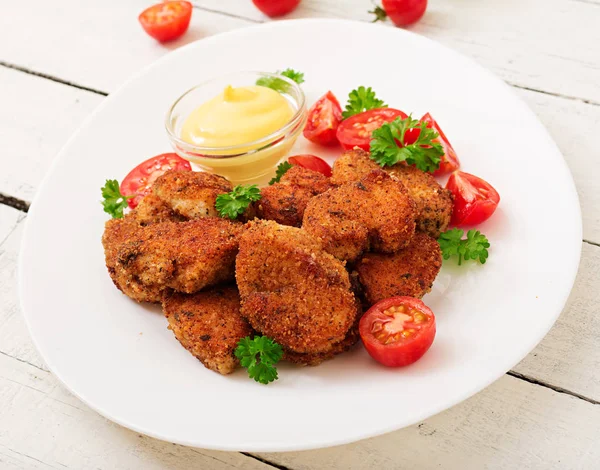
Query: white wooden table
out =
(58, 60)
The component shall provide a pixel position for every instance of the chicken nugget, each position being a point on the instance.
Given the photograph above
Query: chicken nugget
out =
(409, 272)
(208, 324)
(434, 203)
(375, 213)
(291, 290)
(191, 194)
(285, 202)
(314, 359)
(151, 210)
(185, 256)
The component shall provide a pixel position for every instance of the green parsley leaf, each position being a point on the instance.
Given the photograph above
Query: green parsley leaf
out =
(424, 152)
(278, 84)
(474, 247)
(114, 202)
(235, 202)
(282, 169)
(360, 100)
(259, 355)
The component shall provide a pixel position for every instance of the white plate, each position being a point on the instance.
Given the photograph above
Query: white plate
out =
(118, 356)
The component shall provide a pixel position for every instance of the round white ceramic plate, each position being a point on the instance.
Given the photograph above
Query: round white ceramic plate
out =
(118, 356)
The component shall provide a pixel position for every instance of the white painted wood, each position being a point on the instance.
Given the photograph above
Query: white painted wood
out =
(97, 44)
(523, 42)
(32, 134)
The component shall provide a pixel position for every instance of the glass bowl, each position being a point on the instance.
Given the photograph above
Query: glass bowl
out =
(248, 163)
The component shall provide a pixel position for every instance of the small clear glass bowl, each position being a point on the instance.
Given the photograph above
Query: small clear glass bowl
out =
(237, 163)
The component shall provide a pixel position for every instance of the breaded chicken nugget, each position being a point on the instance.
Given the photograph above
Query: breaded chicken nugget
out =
(375, 213)
(409, 272)
(434, 203)
(291, 290)
(151, 210)
(314, 359)
(285, 202)
(208, 324)
(185, 256)
(191, 194)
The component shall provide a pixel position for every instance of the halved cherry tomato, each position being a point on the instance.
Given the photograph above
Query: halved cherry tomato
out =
(166, 21)
(276, 7)
(356, 130)
(311, 162)
(139, 181)
(404, 12)
(449, 161)
(323, 119)
(475, 200)
(397, 331)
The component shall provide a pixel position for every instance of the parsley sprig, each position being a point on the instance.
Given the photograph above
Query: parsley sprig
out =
(278, 84)
(113, 201)
(362, 99)
(282, 169)
(259, 355)
(235, 202)
(475, 246)
(388, 145)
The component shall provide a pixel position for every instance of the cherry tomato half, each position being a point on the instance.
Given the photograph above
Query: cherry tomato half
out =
(139, 181)
(397, 331)
(276, 7)
(356, 130)
(311, 162)
(166, 21)
(323, 119)
(475, 200)
(404, 12)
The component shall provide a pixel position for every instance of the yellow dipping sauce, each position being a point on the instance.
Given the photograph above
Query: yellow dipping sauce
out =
(237, 116)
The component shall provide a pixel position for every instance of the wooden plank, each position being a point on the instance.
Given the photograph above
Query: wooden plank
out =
(32, 134)
(518, 41)
(509, 425)
(97, 46)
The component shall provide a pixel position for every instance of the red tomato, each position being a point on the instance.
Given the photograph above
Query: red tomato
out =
(166, 21)
(139, 181)
(404, 12)
(397, 331)
(311, 162)
(356, 130)
(475, 200)
(276, 7)
(323, 119)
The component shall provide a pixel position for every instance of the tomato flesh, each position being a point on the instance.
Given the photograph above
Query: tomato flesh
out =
(356, 130)
(139, 181)
(475, 200)
(274, 8)
(404, 12)
(311, 162)
(397, 331)
(166, 21)
(323, 120)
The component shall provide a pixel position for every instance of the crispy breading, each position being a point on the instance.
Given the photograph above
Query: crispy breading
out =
(314, 359)
(185, 256)
(291, 290)
(208, 324)
(434, 203)
(151, 210)
(285, 202)
(409, 272)
(191, 194)
(375, 213)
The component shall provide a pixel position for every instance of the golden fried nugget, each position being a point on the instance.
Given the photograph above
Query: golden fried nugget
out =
(185, 256)
(151, 210)
(434, 203)
(285, 202)
(375, 213)
(291, 290)
(208, 324)
(191, 194)
(409, 272)
(314, 359)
